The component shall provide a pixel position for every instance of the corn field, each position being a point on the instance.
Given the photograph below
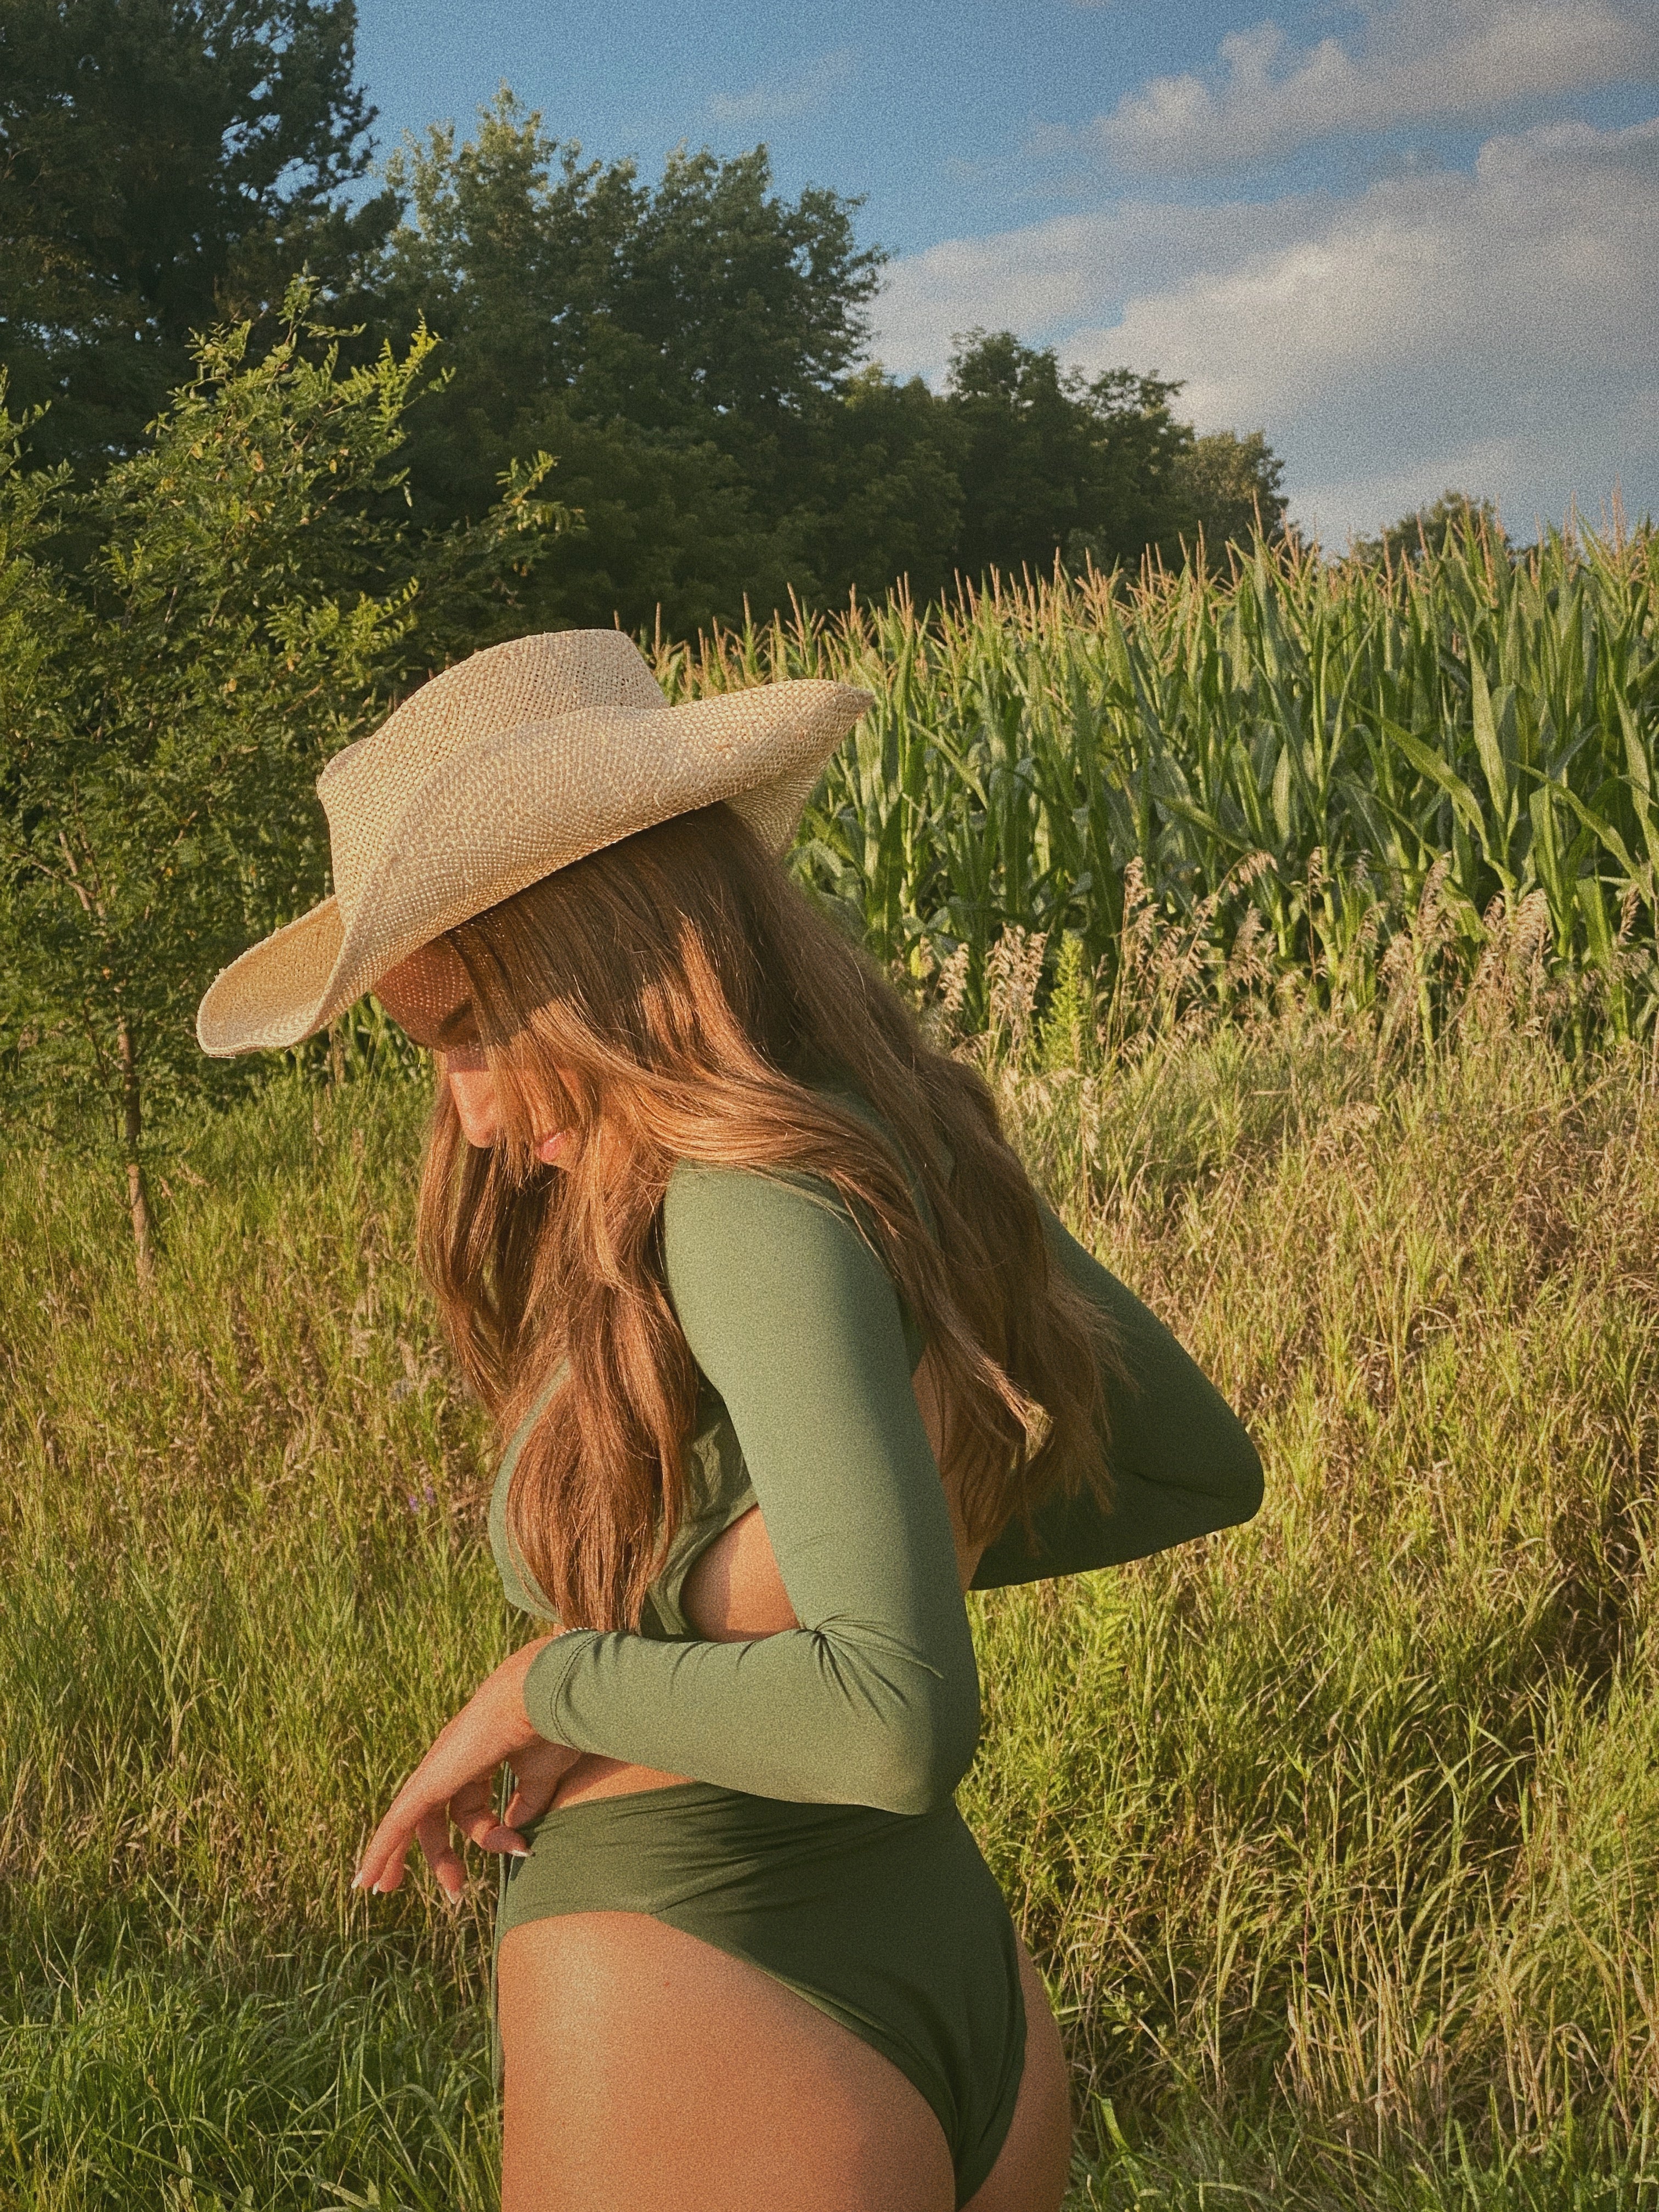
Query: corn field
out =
(1369, 787)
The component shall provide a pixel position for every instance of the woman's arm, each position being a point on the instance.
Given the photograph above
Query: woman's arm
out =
(1181, 1463)
(874, 1698)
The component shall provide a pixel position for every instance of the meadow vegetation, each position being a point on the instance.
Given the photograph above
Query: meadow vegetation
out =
(1336, 1836)
(1304, 919)
(1305, 914)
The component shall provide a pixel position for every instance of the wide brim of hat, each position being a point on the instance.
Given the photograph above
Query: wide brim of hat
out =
(503, 813)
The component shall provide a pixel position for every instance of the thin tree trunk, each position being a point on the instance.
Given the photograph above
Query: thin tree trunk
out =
(132, 1125)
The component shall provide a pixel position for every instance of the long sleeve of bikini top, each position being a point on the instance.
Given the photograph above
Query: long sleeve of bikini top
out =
(1181, 1462)
(874, 1698)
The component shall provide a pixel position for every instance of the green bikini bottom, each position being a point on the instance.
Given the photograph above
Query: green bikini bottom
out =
(891, 1923)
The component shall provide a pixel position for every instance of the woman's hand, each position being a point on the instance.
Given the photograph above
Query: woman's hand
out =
(455, 1780)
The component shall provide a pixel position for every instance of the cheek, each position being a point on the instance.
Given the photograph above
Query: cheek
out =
(473, 1090)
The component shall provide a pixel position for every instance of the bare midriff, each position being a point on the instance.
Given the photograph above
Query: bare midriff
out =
(733, 1593)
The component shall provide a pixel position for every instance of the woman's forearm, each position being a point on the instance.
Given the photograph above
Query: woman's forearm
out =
(1180, 1461)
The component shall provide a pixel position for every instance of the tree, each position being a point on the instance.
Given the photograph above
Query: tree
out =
(1430, 529)
(164, 717)
(163, 163)
(1137, 448)
(1021, 453)
(691, 350)
(880, 496)
(1055, 464)
(1227, 488)
(677, 344)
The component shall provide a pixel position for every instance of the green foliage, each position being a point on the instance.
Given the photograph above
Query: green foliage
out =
(1228, 490)
(1052, 462)
(234, 2040)
(1456, 518)
(1067, 1040)
(690, 351)
(1398, 1799)
(1336, 1836)
(165, 163)
(1353, 784)
(676, 344)
(165, 712)
(883, 496)
(704, 295)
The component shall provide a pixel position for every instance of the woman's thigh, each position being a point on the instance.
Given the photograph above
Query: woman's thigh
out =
(647, 2068)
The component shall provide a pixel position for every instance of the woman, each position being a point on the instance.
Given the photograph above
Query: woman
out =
(786, 1355)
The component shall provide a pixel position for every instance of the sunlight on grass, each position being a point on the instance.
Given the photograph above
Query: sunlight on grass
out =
(1337, 1835)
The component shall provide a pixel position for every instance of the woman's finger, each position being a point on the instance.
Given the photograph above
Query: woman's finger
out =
(382, 1859)
(432, 1830)
(392, 1839)
(525, 1805)
(381, 1866)
(473, 1813)
(531, 1799)
(429, 1789)
(537, 1772)
(491, 1727)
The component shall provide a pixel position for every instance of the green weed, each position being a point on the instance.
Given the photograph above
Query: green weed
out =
(1337, 1835)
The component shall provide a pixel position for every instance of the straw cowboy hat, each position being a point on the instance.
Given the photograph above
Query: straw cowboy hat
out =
(507, 767)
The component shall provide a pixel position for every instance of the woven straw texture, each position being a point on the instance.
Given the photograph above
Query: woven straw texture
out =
(510, 765)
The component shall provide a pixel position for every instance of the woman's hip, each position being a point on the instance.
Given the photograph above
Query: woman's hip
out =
(797, 1888)
(891, 1925)
(644, 2067)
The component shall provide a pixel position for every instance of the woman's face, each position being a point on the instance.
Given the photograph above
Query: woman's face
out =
(430, 999)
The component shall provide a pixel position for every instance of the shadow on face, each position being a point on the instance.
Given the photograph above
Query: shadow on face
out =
(429, 996)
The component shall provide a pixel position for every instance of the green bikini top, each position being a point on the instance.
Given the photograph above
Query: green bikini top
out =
(719, 1489)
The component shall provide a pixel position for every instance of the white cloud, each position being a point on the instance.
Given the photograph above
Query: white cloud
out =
(780, 100)
(1417, 62)
(1044, 279)
(1499, 329)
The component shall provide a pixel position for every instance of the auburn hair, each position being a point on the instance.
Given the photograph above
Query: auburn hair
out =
(675, 997)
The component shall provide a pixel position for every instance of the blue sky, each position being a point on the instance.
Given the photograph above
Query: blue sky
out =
(1417, 241)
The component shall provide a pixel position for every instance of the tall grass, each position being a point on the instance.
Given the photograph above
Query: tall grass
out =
(1267, 904)
(1296, 761)
(1337, 1835)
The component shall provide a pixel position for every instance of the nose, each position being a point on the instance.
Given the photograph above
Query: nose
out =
(473, 1087)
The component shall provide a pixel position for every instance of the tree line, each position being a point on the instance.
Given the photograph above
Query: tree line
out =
(693, 350)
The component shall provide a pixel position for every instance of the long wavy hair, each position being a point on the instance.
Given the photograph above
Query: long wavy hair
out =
(675, 997)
